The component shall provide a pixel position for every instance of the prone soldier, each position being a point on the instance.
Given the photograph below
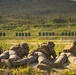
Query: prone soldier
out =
(68, 54)
(41, 55)
(15, 53)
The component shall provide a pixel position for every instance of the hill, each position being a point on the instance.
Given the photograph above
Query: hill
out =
(37, 7)
(32, 17)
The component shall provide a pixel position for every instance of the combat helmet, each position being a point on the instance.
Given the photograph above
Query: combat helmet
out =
(74, 42)
(51, 44)
(24, 45)
(43, 46)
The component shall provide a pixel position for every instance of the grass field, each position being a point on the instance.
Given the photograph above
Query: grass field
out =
(33, 44)
(59, 45)
(34, 25)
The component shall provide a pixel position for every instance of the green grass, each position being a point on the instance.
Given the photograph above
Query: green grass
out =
(34, 25)
(11, 26)
(33, 44)
(11, 34)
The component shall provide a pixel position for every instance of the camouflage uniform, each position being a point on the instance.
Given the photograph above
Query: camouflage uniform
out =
(41, 55)
(15, 53)
(68, 54)
(4, 55)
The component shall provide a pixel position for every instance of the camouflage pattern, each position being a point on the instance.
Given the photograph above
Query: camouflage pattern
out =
(71, 49)
(68, 54)
(36, 57)
(44, 48)
(71, 58)
(25, 46)
(44, 67)
(13, 56)
(28, 60)
(52, 51)
(14, 48)
(21, 49)
(51, 44)
(42, 58)
(47, 49)
(74, 42)
(4, 55)
(14, 53)
(61, 60)
(40, 55)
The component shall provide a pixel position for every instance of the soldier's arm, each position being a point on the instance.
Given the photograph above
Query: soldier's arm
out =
(53, 53)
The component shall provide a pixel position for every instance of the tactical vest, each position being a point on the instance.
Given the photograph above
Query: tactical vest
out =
(44, 48)
(14, 48)
(46, 52)
(19, 50)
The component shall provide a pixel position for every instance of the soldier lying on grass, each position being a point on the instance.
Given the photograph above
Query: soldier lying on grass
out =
(41, 55)
(68, 54)
(15, 53)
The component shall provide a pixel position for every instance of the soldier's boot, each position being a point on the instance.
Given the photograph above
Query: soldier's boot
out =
(6, 63)
(60, 61)
(55, 65)
(43, 66)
